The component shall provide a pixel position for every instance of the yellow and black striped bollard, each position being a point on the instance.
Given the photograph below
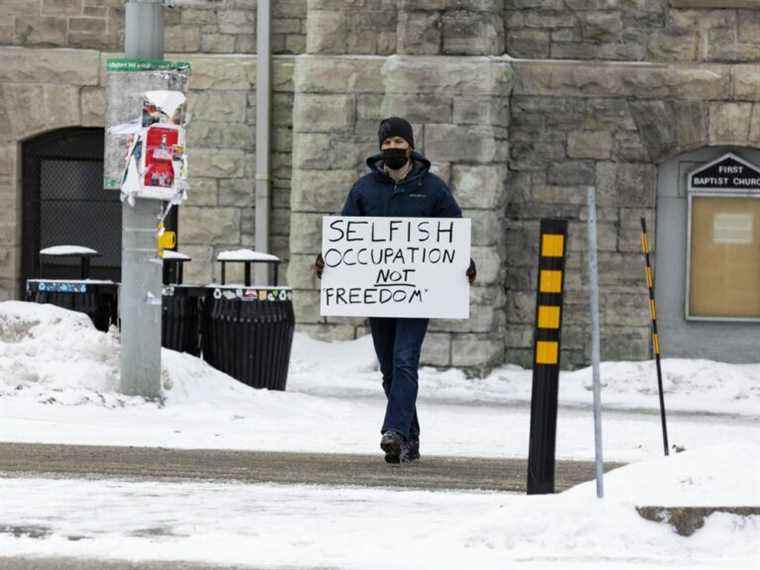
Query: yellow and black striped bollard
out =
(546, 356)
(655, 335)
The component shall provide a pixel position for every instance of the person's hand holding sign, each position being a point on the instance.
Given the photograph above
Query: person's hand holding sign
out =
(472, 272)
(319, 266)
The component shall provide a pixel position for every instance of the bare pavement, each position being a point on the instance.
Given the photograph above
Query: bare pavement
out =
(142, 463)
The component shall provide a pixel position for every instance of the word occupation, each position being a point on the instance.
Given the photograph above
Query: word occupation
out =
(395, 267)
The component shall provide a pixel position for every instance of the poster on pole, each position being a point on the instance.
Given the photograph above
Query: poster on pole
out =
(395, 267)
(126, 84)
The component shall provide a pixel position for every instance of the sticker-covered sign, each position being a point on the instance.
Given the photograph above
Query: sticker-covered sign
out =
(395, 267)
(127, 82)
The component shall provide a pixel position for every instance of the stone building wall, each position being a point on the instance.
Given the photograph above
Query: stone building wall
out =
(69, 87)
(216, 26)
(577, 126)
(413, 27)
(220, 213)
(459, 107)
(625, 30)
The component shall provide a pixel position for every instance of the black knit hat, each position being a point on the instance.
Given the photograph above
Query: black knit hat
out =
(395, 127)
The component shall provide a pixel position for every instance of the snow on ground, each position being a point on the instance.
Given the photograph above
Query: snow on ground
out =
(59, 379)
(308, 526)
(58, 384)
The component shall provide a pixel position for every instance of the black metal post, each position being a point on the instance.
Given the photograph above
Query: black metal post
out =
(546, 356)
(655, 335)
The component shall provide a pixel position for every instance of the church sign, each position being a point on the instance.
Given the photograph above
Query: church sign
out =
(729, 172)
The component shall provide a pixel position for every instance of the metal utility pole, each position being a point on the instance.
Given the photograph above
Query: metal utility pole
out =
(593, 274)
(263, 102)
(141, 269)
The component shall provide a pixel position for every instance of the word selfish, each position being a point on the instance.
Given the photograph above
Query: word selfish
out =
(436, 231)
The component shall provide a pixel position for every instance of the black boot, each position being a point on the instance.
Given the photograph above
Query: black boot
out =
(394, 446)
(413, 450)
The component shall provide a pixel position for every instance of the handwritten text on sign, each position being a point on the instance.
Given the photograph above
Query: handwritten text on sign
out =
(395, 267)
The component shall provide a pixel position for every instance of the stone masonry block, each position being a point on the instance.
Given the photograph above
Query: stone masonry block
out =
(207, 225)
(216, 163)
(481, 111)
(589, 144)
(10, 261)
(478, 186)
(306, 306)
(203, 192)
(199, 270)
(41, 31)
(206, 134)
(326, 74)
(419, 33)
(746, 82)
(489, 263)
(576, 173)
(8, 157)
(301, 273)
(323, 113)
(62, 67)
(237, 192)
(476, 350)
(320, 190)
(450, 75)
(729, 123)
(222, 72)
(472, 33)
(470, 143)
(58, 106)
(326, 32)
(322, 151)
(93, 100)
(436, 350)
(305, 233)
(483, 318)
(647, 81)
(418, 108)
(223, 106)
(487, 226)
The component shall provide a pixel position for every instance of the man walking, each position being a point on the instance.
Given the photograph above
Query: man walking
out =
(399, 184)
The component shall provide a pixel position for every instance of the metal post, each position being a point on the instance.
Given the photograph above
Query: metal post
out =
(263, 48)
(546, 356)
(593, 274)
(655, 335)
(141, 270)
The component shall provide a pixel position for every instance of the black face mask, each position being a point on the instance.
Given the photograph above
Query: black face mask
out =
(394, 158)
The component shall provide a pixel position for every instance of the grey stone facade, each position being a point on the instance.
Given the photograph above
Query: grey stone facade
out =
(518, 135)
(215, 26)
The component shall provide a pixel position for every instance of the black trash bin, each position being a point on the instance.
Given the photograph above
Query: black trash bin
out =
(180, 307)
(98, 299)
(248, 331)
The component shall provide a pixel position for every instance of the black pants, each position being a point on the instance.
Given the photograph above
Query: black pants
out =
(398, 344)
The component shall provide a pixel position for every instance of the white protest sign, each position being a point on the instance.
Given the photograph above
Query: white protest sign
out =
(395, 267)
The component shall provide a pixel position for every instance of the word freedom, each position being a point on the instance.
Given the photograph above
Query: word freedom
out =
(400, 243)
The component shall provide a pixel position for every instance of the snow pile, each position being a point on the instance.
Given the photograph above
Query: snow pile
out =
(56, 354)
(716, 476)
(576, 523)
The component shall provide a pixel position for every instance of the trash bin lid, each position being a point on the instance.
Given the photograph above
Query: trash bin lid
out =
(176, 256)
(62, 250)
(246, 255)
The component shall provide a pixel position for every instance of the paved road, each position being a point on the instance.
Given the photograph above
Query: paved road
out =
(146, 463)
(142, 463)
